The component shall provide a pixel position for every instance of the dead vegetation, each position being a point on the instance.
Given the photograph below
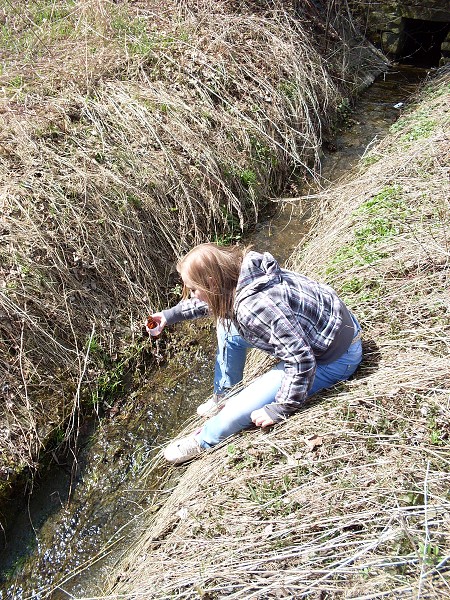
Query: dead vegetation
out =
(349, 498)
(129, 131)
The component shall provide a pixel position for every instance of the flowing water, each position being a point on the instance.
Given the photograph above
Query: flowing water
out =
(80, 504)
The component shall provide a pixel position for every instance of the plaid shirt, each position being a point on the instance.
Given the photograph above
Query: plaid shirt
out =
(288, 315)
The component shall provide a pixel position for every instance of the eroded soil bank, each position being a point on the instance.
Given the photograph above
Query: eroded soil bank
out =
(129, 132)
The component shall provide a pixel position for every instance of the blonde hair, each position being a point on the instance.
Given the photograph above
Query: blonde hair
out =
(214, 270)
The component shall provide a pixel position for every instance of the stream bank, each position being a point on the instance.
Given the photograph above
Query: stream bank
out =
(121, 448)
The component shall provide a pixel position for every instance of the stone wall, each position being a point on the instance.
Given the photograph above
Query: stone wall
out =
(392, 24)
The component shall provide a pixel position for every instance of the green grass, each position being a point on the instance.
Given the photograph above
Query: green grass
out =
(27, 31)
(248, 178)
(43, 23)
(42, 13)
(370, 159)
(381, 220)
(139, 41)
(414, 126)
(289, 89)
(262, 154)
(358, 291)
(432, 91)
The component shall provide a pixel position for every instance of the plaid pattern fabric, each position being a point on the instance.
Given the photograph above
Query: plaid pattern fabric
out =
(290, 317)
(185, 310)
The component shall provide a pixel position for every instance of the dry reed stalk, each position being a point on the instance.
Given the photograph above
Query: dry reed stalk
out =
(366, 513)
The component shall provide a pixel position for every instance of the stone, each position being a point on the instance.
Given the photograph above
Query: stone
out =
(386, 24)
(394, 28)
(390, 42)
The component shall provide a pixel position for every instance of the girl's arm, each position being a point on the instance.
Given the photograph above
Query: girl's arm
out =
(185, 310)
(274, 328)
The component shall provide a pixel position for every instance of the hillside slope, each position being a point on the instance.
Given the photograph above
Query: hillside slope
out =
(350, 497)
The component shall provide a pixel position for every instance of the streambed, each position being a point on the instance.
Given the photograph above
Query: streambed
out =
(50, 541)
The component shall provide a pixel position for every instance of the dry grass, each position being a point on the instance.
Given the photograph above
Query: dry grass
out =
(131, 131)
(366, 513)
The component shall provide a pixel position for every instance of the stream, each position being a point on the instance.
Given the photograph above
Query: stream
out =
(81, 504)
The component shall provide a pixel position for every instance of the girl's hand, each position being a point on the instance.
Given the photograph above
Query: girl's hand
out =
(260, 418)
(161, 320)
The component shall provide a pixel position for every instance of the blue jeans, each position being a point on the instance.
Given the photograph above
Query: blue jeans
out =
(230, 357)
(235, 416)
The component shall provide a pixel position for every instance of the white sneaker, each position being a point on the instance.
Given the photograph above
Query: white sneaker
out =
(182, 450)
(212, 406)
